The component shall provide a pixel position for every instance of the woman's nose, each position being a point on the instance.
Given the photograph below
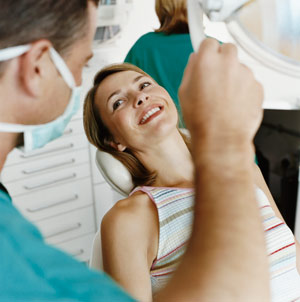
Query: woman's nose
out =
(140, 100)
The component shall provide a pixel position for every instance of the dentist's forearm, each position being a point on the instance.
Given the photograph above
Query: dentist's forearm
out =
(226, 258)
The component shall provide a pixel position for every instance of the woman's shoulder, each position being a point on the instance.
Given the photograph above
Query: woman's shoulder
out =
(130, 213)
(137, 201)
(132, 221)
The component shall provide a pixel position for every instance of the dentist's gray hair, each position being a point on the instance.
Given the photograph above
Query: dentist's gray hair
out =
(61, 22)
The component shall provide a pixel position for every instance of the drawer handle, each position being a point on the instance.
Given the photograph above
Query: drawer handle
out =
(41, 169)
(63, 230)
(32, 187)
(76, 253)
(53, 204)
(68, 131)
(65, 147)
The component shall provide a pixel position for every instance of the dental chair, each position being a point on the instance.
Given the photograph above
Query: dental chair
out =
(119, 178)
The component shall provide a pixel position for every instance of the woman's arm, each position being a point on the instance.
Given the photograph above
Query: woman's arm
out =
(129, 233)
(260, 182)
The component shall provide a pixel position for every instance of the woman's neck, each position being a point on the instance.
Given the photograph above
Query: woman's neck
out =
(171, 160)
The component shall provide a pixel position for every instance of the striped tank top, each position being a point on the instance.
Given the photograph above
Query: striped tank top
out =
(175, 213)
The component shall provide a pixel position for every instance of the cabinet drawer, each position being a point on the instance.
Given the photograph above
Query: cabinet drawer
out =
(80, 248)
(51, 179)
(42, 166)
(68, 226)
(61, 145)
(54, 201)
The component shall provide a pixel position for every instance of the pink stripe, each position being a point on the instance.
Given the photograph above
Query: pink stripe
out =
(282, 248)
(158, 275)
(172, 251)
(143, 190)
(192, 189)
(268, 206)
(275, 226)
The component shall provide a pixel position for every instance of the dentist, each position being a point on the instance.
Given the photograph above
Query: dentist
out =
(43, 47)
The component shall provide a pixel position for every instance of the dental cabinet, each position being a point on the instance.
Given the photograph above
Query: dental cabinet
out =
(52, 188)
(59, 187)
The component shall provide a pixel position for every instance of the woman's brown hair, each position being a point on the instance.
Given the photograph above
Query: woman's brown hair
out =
(172, 15)
(99, 135)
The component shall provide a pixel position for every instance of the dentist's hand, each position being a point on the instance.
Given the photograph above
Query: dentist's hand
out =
(222, 108)
(220, 99)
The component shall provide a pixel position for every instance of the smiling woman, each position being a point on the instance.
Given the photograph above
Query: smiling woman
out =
(144, 236)
(110, 108)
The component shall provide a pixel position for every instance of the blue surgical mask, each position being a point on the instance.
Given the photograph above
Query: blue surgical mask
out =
(37, 136)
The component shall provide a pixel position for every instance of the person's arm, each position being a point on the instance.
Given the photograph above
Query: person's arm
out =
(128, 231)
(226, 259)
(260, 181)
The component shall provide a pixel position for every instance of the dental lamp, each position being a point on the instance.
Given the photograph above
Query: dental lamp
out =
(267, 33)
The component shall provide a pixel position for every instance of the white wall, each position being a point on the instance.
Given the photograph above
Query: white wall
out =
(142, 19)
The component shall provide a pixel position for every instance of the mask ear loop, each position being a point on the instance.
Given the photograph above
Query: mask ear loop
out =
(62, 68)
(13, 52)
(5, 55)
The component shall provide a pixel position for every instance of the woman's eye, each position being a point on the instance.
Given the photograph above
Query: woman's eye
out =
(145, 84)
(117, 104)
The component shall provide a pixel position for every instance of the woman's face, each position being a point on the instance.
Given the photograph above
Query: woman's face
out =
(135, 109)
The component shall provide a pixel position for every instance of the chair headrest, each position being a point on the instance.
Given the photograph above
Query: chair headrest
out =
(114, 172)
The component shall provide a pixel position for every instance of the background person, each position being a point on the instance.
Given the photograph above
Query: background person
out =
(164, 53)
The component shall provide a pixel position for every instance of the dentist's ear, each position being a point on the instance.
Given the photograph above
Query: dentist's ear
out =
(33, 65)
(117, 146)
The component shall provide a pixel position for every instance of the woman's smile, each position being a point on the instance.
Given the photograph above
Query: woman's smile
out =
(150, 113)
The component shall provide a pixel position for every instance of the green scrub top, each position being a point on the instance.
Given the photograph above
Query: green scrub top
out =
(31, 270)
(164, 58)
